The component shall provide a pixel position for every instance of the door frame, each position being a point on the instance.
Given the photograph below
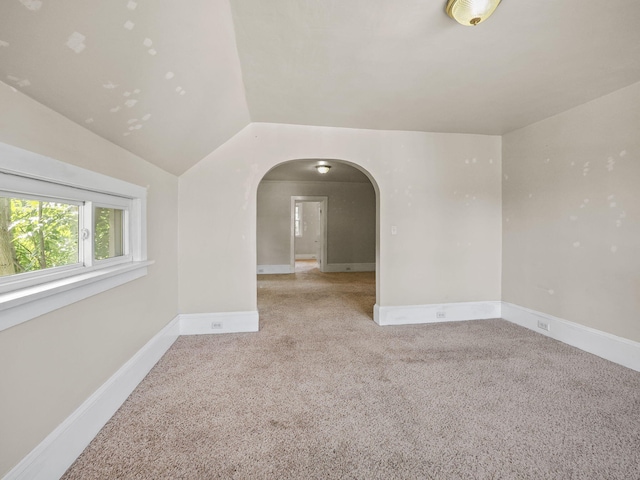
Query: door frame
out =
(324, 201)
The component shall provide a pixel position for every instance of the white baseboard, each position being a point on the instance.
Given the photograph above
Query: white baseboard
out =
(208, 323)
(436, 313)
(274, 269)
(349, 267)
(55, 454)
(328, 268)
(305, 256)
(610, 347)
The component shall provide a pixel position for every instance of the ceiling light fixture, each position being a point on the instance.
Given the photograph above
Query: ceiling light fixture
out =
(471, 12)
(323, 168)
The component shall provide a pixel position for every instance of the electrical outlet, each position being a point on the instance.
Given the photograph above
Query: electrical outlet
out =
(441, 314)
(216, 325)
(543, 325)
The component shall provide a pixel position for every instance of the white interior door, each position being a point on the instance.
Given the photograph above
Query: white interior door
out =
(320, 241)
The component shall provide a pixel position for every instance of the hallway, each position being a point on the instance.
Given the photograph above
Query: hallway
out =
(313, 294)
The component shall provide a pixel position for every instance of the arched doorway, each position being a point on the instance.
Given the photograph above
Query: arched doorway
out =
(347, 199)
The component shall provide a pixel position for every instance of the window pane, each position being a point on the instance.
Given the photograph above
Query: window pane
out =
(35, 235)
(108, 233)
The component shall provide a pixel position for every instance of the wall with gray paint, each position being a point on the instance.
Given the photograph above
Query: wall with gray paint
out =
(571, 217)
(351, 220)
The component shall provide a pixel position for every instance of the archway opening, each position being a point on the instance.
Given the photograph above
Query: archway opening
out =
(331, 218)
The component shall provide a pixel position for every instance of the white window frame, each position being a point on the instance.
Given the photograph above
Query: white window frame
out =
(27, 296)
(297, 219)
(90, 255)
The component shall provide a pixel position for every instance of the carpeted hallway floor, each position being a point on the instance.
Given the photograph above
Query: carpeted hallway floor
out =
(323, 392)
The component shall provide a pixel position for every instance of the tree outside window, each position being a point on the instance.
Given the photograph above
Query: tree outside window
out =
(36, 234)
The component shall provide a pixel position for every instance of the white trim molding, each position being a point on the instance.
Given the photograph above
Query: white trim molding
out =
(436, 313)
(350, 267)
(25, 163)
(28, 295)
(57, 452)
(22, 305)
(605, 345)
(274, 269)
(226, 322)
(321, 254)
(305, 256)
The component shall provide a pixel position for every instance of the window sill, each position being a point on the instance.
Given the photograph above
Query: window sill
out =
(22, 305)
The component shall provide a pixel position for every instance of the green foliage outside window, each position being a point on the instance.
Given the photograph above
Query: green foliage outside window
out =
(35, 235)
(108, 239)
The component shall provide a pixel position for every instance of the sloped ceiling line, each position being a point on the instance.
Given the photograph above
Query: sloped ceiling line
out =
(156, 78)
(173, 81)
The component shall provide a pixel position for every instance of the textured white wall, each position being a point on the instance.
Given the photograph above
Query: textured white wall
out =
(51, 364)
(351, 221)
(441, 191)
(572, 215)
(171, 98)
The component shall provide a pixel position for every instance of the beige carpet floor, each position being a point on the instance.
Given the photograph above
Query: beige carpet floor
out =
(323, 392)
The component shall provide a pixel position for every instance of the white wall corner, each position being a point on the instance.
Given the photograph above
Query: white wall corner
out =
(274, 269)
(57, 452)
(605, 345)
(436, 313)
(211, 323)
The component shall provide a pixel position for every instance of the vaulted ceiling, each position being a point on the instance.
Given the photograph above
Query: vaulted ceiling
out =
(171, 81)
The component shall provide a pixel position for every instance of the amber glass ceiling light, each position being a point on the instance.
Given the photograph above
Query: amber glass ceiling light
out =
(471, 12)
